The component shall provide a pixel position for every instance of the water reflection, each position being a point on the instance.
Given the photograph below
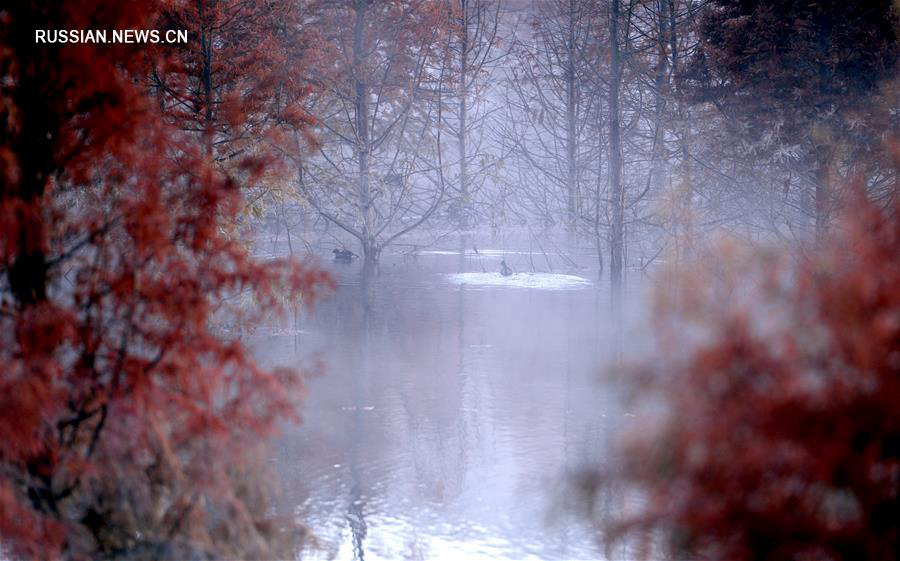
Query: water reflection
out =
(356, 512)
(448, 415)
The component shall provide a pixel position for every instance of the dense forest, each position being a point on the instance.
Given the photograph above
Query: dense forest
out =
(645, 250)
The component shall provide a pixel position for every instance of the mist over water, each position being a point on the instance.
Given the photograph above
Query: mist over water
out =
(465, 211)
(451, 415)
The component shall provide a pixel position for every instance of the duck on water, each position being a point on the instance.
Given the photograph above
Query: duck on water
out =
(343, 255)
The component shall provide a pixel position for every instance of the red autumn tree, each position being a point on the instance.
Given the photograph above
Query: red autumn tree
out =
(239, 81)
(126, 414)
(772, 430)
(803, 76)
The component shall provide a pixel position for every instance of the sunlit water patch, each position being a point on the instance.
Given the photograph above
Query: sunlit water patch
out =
(544, 281)
(482, 252)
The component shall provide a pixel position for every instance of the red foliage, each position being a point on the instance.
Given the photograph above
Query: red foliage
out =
(123, 409)
(237, 80)
(779, 437)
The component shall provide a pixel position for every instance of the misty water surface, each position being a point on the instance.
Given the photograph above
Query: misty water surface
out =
(450, 415)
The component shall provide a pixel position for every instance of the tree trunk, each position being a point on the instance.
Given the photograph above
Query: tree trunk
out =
(822, 179)
(361, 109)
(571, 128)
(658, 165)
(206, 41)
(464, 202)
(370, 254)
(617, 193)
(27, 274)
(598, 196)
(685, 201)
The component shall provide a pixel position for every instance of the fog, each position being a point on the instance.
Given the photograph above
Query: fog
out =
(498, 217)
(450, 279)
(455, 405)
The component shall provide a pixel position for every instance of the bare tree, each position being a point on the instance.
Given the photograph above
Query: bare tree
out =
(377, 174)
(551, 104)
(474, 53)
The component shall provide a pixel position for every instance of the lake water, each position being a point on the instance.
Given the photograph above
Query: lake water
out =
(453, 408)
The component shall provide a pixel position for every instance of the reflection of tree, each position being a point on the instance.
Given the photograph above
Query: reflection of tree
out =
(356, 510)
(356, 516)
(461, 375)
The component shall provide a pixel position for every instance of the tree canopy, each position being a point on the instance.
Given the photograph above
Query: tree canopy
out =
(772, 427)
(799, 75)
(125, 411)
